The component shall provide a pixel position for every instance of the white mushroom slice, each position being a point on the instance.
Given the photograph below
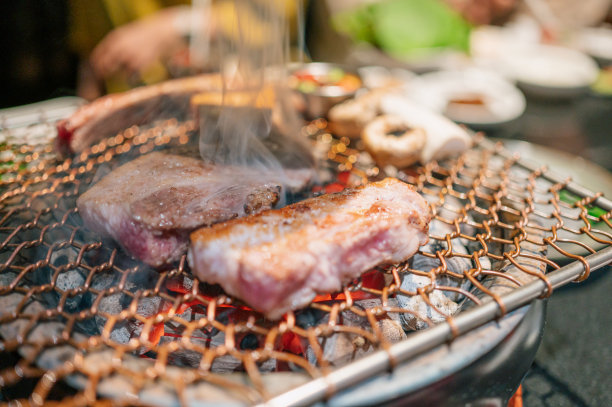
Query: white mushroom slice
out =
(393, 141)
(444, 138)
(349, 118)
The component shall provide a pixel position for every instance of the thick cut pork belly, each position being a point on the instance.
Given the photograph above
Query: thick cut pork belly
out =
(110, 114)
(278, 260)
(151, 204)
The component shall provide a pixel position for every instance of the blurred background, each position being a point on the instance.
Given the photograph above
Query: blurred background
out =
(552, 62)
(37, 62)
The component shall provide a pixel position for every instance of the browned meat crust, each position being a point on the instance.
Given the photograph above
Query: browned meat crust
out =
(150, 204)
(279, 260)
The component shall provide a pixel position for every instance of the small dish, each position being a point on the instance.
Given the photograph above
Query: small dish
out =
(321, 85)
(474, 97)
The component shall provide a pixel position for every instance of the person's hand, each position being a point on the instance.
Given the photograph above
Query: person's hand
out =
(482, 11)
(135, 46)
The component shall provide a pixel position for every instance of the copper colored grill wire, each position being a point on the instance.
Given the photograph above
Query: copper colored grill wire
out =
(38, 220)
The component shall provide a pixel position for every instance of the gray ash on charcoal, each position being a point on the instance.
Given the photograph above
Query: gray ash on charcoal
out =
(72, 279)
(210, 337)
(139, 280)
(340, 348)
(46, 330)
(447, 301)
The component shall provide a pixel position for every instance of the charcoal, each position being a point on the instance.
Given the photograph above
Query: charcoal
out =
(473, 246)
(163, 391)
(500, 285)
(45, 331)
(104, 280)
(6, 279)
(52, 358)
(186, 281)
(111, 304)
(226, 364)
(221, 364)
(458, 265)
(64, 256)
(212, 340)
(184, 357)
(308, 317)
(143, 278)
(341, 348)
(8, 304)
(268, 365)
(411, 282)
(70, 280)
(249, 341)
(121, 333)
(148, 306)
(376, 302)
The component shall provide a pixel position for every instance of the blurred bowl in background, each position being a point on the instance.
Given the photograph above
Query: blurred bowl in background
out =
(596, 42)
(319, 86)
(375, 77)
(548, 71)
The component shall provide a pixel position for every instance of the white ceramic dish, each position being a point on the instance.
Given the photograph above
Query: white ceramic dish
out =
(472, 96)
(596, 42)
(549, 71)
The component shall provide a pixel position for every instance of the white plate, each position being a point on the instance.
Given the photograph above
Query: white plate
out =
(597, 42)
(550, 71)
(501, 100)
(581, 171)
(374, 76)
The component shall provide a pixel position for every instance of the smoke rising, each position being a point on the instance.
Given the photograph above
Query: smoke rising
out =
(252, 122)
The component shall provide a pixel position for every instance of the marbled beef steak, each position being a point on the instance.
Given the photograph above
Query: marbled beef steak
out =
(151, 204)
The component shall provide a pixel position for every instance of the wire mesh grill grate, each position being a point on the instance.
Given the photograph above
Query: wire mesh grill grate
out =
(82, 322)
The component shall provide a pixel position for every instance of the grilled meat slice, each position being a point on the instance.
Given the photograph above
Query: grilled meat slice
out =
(150, 204)
(110, 114)
(278, 260)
